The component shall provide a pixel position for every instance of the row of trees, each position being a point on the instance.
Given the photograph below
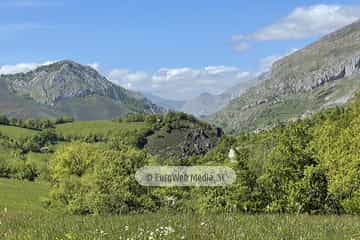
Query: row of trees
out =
(37, 124)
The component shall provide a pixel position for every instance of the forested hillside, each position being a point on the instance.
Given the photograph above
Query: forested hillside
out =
(307, 166)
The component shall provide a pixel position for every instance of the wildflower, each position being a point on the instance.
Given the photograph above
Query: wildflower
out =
(168, 230)
(126, 228)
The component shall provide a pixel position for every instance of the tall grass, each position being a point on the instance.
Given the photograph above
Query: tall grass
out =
(178, 226)
(23, 218)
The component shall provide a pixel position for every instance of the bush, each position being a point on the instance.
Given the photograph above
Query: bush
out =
(89, 179)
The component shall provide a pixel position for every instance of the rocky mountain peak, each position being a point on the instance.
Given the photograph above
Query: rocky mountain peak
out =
(60, 80)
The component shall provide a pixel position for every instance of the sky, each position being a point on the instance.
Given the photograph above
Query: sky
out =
(174, 49)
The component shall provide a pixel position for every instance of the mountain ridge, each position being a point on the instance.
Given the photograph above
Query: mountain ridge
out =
(65, 87)
(331, 65)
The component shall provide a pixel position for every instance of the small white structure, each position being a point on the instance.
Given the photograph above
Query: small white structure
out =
(232, 155)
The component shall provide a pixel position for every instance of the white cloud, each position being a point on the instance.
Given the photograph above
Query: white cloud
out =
(238, 37)
(21, 67)
(301, 23)
(309, 21)
(241, 46)
(95, 66)
(180, 83)
(126, 78)
(214, 70)
(266, 63)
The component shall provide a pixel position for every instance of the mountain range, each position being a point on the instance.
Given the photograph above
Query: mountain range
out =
(168, 104)
(206, 103)
(323, 74)
(68, 88)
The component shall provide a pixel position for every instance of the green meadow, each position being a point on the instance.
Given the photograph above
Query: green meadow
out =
(74, 181)
(16, 132)
(100, 127)
(22, 217)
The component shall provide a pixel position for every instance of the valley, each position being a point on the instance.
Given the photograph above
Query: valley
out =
(74, 137)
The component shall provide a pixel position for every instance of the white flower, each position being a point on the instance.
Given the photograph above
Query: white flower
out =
(169, 230)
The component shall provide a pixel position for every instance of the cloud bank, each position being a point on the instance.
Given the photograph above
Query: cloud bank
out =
(172, 83)
(180, 83)
(302, 22)
(266, 63)
(22, 67)
(27, 67)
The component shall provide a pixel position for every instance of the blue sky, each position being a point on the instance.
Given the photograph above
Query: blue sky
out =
(161, 46)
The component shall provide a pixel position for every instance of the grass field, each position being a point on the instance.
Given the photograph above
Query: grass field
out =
(101, 127)
(16, 132)
(22, 196)
(21, 217)
(80, 128)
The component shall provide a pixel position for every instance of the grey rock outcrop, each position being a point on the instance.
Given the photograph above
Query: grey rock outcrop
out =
(322, 74)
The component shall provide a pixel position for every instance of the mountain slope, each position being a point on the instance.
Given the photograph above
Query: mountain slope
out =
(326, 73)
(207, 103)
(68, 88)
(168, 104)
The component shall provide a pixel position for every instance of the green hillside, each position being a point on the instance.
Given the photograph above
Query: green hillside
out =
(22, 196)
(99, 127)
(16, 132)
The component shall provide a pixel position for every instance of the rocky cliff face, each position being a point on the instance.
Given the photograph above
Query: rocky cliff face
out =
(324, 72)
(333, 57)
(181, 136)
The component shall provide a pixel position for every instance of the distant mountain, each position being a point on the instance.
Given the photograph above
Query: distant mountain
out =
(168, 104)
(324, 74)
(207, 103)
(68, 88)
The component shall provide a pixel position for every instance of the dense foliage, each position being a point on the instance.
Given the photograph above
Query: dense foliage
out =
(308, 166)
